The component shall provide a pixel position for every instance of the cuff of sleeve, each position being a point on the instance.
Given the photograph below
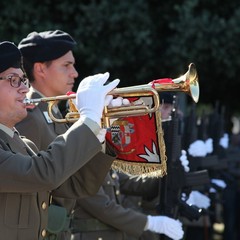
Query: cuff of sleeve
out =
(95, 128)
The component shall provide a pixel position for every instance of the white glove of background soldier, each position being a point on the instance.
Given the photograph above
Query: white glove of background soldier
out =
(197, 149)
(184, 161)
(219, 182)
(224, 141)
(91, 94)
(198, 199)
(165, 225)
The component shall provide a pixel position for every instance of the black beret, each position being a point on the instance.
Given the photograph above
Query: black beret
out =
(10, 56)
(46, 46)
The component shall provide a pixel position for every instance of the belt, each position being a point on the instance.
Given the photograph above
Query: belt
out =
(86, 225)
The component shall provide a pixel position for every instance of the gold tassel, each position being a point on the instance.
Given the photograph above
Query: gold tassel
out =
(139, 169)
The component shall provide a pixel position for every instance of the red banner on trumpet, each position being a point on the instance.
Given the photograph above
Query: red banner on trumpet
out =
(138, 142)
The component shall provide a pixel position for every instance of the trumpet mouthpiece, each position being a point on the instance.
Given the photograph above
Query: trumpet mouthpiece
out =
(27, 101)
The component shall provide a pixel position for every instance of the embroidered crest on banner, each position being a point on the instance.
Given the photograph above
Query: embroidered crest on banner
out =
(121, 133)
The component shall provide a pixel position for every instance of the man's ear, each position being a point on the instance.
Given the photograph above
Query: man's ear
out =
(39, 69)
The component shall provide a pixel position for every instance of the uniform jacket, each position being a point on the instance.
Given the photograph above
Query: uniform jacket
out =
(142, 195)
(26, 179)
(41, 130)
(105, 207)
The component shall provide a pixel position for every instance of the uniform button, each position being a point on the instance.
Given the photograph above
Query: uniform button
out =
(44, 205)
(108, 182)
(100, 238)
(44, 233)
(114, 175)
(117, 192)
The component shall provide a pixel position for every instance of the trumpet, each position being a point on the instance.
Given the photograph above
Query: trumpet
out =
(187, 83)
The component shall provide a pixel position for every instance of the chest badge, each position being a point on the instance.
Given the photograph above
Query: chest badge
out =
(48, 119)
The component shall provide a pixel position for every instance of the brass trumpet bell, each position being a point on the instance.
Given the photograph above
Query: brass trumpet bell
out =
(189, 82)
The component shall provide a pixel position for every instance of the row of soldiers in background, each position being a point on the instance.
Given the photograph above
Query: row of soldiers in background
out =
(208, 148)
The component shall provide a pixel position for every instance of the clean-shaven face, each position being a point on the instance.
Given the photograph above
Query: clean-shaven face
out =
(60, 75)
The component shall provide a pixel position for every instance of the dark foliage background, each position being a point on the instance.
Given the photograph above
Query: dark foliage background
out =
(138, 41)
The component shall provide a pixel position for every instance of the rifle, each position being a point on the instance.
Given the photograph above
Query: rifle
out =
(216, 132)
(190, 128)
(172, 185)
(203, 127)
(216, 127)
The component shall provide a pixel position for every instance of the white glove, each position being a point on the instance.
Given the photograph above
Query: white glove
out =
(184, 196)
(108, 100)
(224, 141)
(91, 94)
(209, 145)
(197, 149)
(198, 199)
(184, 161)
(220, 183)
(118, 102)
(212, 190)
(165, 225)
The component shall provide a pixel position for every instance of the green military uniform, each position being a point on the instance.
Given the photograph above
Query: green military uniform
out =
(140, 194)
(103, 217)
(32, 127)
(27, 179)
(42, 130)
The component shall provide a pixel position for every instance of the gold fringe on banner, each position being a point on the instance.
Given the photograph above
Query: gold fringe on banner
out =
(139, 169)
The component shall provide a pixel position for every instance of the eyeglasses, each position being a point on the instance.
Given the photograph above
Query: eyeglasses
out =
(15, 80)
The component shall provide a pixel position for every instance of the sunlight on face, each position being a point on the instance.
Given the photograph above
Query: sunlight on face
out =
(60, 75)
(12, 108)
